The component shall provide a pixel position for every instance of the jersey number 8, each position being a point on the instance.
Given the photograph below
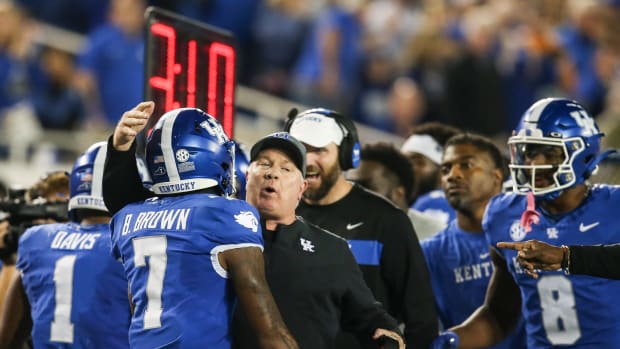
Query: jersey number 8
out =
(557, 302)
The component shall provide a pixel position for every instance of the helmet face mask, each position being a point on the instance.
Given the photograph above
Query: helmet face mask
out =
(554, 174)
(188, 150)
(554, 148)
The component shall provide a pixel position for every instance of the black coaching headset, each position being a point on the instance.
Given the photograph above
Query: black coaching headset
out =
(349, 152)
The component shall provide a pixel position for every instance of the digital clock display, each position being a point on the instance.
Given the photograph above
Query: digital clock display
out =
(189, 64)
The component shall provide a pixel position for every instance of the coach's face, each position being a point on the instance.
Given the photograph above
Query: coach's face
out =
(274, 185)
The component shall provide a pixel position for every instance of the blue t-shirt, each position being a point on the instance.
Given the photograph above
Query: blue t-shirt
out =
(460, 268)
(169, 249)
(77, 291)
(571, 311)
(435, 204)
(117, 62)
(309, 65)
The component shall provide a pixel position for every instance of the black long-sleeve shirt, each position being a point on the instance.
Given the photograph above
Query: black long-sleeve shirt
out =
(597, 260)
(312, 274)
(121, 181)
(315, 282)
(390, 257)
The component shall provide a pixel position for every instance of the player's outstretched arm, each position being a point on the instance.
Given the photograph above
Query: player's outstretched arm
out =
(497, 316)
(246, 269)
(14, 324)
(596, 260)
(536, 255)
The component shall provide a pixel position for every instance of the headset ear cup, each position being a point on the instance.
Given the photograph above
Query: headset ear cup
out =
(349, 156)
(292, 114)
(344, 153)
(349, 153)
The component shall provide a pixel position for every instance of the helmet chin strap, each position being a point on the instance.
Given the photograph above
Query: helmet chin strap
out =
(530, 216)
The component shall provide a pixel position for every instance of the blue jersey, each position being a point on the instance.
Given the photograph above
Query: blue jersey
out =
(169, 248)
(436, 205)
(567, 311)
(77, 291)
(460, 269)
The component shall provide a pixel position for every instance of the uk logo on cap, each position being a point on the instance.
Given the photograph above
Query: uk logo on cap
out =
(283, 135)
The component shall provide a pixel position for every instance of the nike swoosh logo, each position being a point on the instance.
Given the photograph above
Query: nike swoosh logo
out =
(584, 228)
(353, 226)
(484, 255)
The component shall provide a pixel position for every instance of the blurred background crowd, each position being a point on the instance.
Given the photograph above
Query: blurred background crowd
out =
(77, 65)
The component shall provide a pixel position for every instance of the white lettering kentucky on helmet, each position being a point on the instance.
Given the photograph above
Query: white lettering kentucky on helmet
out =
(248, 220)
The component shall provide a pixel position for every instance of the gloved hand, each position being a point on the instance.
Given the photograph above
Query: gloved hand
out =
(445, 340)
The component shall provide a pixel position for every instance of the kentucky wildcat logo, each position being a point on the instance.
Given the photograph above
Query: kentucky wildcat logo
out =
(215, 129)
(248, 220)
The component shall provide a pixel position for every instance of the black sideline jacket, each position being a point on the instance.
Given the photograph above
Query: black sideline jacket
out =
(387, 250)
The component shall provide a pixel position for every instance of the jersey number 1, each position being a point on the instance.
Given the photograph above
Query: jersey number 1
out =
(61, 329)
(155, 248)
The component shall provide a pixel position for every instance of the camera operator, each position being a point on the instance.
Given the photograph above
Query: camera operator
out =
(52, 191)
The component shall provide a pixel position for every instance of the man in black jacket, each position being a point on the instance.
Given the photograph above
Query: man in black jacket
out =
(312, 273)
(381, 236)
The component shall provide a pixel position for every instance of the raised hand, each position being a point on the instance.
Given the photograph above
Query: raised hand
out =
(130, 124)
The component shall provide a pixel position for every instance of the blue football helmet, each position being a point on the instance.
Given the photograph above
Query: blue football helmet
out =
(188, 150)
(86, 180)
(560, 129)
(242, 162)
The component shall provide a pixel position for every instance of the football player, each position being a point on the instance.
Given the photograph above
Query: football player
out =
(68, 284)
(188, 250)
(472, 171)
(554, 151)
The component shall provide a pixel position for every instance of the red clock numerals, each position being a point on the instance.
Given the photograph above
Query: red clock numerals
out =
(220, 55)
(191, 74)
(216, 50)
(167, 83)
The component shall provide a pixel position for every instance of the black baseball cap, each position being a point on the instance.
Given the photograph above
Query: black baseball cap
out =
(285, 142)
